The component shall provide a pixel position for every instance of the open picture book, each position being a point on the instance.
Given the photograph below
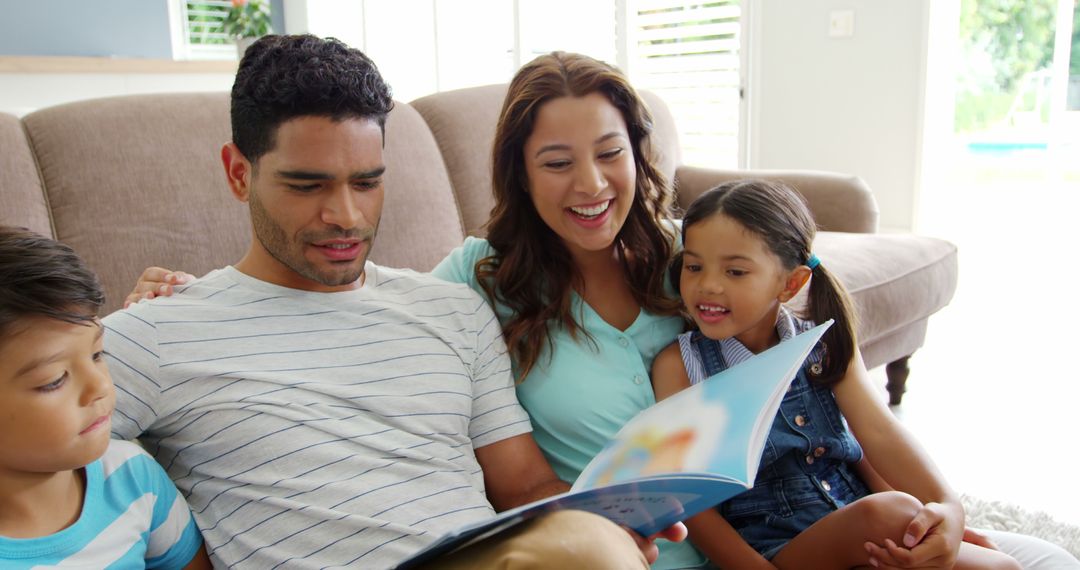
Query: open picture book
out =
(688, 453)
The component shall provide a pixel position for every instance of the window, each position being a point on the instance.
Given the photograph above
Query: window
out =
(688, 53)
(197, 30)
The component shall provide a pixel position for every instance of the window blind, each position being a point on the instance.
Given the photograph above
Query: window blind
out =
(688, 54)
(203, 34)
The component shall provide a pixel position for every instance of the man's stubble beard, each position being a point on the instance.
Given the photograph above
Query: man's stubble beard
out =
(290, 254)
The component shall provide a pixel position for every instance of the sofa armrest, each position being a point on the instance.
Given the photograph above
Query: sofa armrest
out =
(839, 202)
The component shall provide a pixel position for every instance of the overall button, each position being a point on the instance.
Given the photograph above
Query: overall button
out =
(800, 420)
(623, 342)
(825, 485)
(639, 380)
(819, 452)
(809, 459)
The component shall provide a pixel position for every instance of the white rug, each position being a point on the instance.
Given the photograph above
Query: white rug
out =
(1004, 516)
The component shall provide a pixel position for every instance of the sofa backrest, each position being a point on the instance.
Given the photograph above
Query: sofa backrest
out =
(22, 199)
(421, 222)
(463, 122)
(136, 181)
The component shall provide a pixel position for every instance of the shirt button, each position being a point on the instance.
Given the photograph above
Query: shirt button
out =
(800, 421)
(639, 380)
(809, 459)
(825, 485)
(819, 452)
(623, 342)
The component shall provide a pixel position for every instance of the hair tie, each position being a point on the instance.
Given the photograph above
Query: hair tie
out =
(812, 262)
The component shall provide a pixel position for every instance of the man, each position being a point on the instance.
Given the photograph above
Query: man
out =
(318, 410)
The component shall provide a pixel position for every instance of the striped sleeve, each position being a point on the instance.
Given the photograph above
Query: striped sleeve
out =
(497, 415)
(132, 352)
(691, 358)
(173, 539)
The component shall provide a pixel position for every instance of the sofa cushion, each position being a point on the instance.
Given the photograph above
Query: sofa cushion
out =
(98, 157)
(420, 221)
(840, 202)
(664, 142)
(22, 199)
(136, 181)
(463, 124)
(895, 280)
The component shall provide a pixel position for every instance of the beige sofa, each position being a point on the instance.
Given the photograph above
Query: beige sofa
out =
(134, 181)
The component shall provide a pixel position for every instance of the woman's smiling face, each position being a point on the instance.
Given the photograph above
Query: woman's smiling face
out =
(580, 164)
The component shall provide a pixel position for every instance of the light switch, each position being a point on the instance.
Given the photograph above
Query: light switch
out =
(841, 23)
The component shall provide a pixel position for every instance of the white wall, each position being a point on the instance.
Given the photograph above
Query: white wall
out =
(22, 93)
(425, 46)
(856, 104)
(420, 46)
(849, 104)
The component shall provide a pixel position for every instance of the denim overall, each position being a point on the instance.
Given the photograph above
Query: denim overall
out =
(807, 467)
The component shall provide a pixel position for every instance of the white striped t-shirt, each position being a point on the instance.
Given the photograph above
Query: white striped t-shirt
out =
(313, 430)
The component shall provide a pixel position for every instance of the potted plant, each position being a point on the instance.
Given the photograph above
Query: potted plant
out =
(246, 21)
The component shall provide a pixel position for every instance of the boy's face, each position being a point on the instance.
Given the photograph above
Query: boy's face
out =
(56, 396)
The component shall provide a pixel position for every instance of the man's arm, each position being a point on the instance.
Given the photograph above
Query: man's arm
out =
(516, 473)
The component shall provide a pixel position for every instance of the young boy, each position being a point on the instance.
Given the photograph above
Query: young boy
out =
(68, 495)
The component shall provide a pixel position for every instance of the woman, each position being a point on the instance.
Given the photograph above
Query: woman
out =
(575, 257)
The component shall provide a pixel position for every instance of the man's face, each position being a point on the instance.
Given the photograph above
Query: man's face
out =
(315, 202)
(56, 397)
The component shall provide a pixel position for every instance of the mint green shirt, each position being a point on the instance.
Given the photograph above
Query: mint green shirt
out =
(580, 398)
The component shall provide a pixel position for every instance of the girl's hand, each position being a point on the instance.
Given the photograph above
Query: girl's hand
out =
(932, 540)
(155, 282)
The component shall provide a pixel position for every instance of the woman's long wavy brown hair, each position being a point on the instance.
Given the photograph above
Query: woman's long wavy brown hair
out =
(532, 272)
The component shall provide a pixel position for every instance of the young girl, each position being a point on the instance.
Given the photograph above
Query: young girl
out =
(747, 251)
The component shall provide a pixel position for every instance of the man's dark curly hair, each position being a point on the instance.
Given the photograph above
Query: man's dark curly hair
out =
(43, 277)
(284, 77)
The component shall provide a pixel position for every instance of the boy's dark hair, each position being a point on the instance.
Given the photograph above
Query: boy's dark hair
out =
(284, 77)
(43, 277)
(776, 213)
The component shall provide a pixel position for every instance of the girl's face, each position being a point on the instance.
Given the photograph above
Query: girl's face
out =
(580, 166)
(732, 284)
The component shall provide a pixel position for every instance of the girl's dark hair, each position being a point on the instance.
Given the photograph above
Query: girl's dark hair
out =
(281, 78)
(532, 272)
(777, 214)
(43, 277)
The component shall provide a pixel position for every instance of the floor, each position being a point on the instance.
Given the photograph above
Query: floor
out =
(994, 394)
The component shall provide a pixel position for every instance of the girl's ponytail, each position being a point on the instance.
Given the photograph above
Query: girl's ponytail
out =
(827, 299)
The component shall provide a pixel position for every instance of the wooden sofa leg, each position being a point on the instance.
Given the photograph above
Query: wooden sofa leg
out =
(897, 372)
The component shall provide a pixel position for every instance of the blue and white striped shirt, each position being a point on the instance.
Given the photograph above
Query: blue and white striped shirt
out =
(132, 516)
(314, 430)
